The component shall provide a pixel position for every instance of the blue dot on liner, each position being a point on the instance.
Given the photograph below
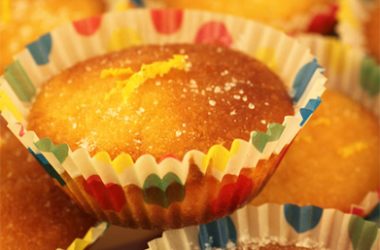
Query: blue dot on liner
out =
(47, 167)
(302, 219)
(138, 3)
(303, 78)
(41, 49)
(217, 234)
(309, 109)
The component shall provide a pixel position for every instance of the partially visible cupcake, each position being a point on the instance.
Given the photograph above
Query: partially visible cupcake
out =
(34, 212)
(332, 166)
(23, 21)
(333, 162)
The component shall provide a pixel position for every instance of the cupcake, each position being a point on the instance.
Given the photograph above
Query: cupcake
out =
(275, 227)
(20, 26)
(161, 136)
(293, 16)
(328, 165)
(45, 218)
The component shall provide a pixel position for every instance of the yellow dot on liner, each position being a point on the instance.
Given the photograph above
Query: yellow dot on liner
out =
(122, 38)
(346, 13)
(5, 11)
(7, 104)
(119, 164)
(148, 71)
(122, 6)
(218, 156)
(337, 54)
(267, 56)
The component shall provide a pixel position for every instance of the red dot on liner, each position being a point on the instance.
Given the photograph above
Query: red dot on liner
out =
(357, 211)
(324, 23)
(232, 195)
(109, 197)
(89, 26)
(214, 33)
(167, 21)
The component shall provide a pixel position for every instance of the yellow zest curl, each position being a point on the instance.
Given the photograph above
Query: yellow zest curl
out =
(148, 71)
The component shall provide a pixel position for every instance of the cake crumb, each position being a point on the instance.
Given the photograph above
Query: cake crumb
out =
(178, 133)
(224, 73)
(237, 97)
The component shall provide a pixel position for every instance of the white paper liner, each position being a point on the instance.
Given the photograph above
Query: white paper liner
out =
(309, 227)
(68, 45)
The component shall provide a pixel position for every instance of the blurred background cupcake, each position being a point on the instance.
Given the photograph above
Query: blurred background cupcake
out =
(23, 21)
(335, 161)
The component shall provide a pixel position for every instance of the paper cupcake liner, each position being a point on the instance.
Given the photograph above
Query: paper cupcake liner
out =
(92, 235)
(149, 193)
(254, 227)
(320, 19)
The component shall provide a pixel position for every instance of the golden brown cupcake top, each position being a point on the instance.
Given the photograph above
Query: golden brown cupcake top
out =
(223, 94)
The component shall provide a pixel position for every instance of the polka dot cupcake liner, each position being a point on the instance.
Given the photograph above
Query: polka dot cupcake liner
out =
(352, 72)
(284, 225)
(169, 193)
(321, 18)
